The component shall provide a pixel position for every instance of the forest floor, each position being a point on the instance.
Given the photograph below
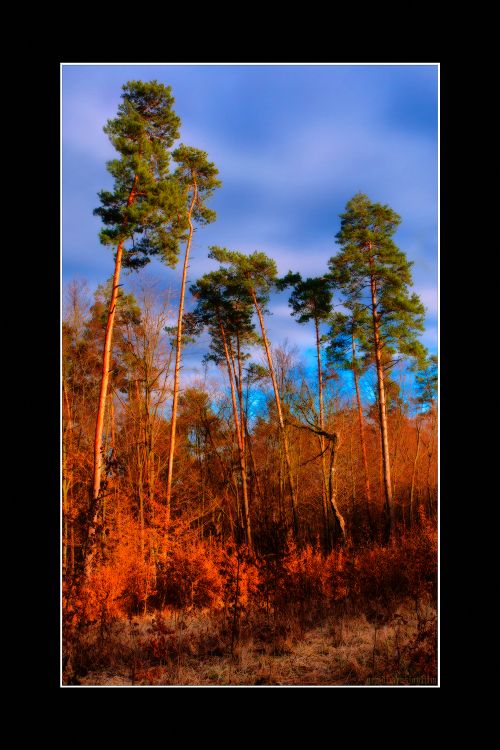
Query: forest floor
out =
(339, 651)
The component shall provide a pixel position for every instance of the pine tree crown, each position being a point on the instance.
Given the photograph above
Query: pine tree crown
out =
(144, 209)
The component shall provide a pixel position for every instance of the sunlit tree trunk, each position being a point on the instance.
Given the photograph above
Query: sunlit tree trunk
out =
(429, 465)
(281, 421)
(140, 449)
(324, 486)
(89, 549)
(106, 359)
(239, 435)
(173, 422)
(361, 422)
(332, 492)
(353, 474)
(389, 507)
(419, 426)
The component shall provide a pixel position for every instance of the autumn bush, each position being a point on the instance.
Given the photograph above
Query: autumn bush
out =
(407, 568)
(188, 578)
(103, 594)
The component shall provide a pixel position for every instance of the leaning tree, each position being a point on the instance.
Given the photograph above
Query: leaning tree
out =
(348, 347)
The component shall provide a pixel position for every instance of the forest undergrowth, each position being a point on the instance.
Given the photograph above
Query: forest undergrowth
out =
(216, 616)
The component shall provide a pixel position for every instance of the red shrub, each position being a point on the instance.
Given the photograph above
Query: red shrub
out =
(189, 579)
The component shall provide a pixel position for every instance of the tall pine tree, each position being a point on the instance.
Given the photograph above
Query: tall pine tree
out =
(197, 178)
(371, 270)
(141, 218)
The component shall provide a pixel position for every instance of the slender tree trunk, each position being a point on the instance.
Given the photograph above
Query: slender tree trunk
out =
(414, 473)
(243, 433)
(380, 469)
(239, 388)
(243, 417)
(89, 546)
(353, 476)
(286, 446)
(332, 494)
(430, 454)
(106, 360)
(362, 433)
(140, 448)
(254, 465)
(225, 473)
(239, 437)
(389, 507)
(324, 487)
(394, 464)
(173, 422)
(113, 454)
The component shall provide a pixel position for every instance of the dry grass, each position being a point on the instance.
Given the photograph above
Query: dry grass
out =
(343, 650)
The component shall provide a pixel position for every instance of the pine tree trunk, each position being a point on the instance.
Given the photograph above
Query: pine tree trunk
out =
(89, 545)
(394, 464)
(324, 487)
(140, 466)
(243, 432)
(173, 422)
(106, 360)
(286, 446)
(389, 507)
(254, 465)
(429, 465)
(239, 431)
(353, 475)
(413, 475)
(362, 434)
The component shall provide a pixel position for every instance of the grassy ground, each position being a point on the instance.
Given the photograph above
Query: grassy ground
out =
(194, 650)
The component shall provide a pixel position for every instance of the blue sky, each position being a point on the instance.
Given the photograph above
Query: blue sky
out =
(292, 145)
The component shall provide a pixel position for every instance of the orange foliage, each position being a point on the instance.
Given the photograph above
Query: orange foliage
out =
(407, 568)
(102, 594)
(189, 578)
